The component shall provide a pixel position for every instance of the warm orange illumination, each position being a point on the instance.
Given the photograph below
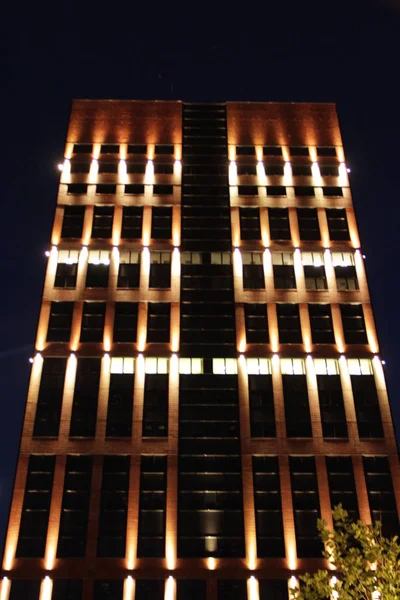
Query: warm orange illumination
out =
(170, 588)
(343, 179)
(262, 179)
(252, 552)
(232, 152)
(259, 153)
(122, 171)
(242, 345)
(94, 171)
(5, 588)
(170, 554)
(149, 174)
(178, 169)
(51, 549)
(178, 152)
(233, 180)
(96, 150)
(151, 149)
(129, 588)
(293, 582)
(46, 589)
(287, 174)
(252, 589)
(237, 263)
(316, 174)
(175, 263)
(212, 563)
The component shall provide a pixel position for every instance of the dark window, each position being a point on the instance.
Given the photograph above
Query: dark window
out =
(353, 324)
(73, 221)
(105, 188)
(321, 323)
(369, 422)
(135, 169)
(301, 170)
(129, 273)
(308, 224)
(111, 538)
(163, 169)
(304, 190)
(48, 409)
(162, 189)
(155, 406)
(245, 151)
(346, 279)
(247, 169)
(93, 317)
(84, 407)
(326, 151)
(125, 322)
(137, 149)
(134, 189)
(97, 275)
(102, 221)
(274, 169)
(268, 507)
(36, 507)
(256, 322)
(67, 589)
(249, 223)
(253, 277)
(150, 589)
(279, 226)
(77, 188)
(60, 322)
(299, 151)
(262, 411)
(106, 167)
(273, 589)
(120, 405)
(83, 148)
(152, 505)
(160, 275)
(315, 278)
(272, 151)
(75, 506)
(342, 486)
(247, 190)
(109, 149)
(195, 589)
(382, 500)
(337, 224)
(25, 588)
(161, 222)
(66, 275)
(112, 589)
(232, 589)
(284, 277)
(158, 322)
(331, 405)
(289, 325)
(276, 190)
(297, 409)
(329, 170)
(332, 191)
(132, 217)
(305, 505)
(164, 149)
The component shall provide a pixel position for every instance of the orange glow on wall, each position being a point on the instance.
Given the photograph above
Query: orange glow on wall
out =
(253, 592)
(170, 588)
(151, 149)
(211, 563)
(149, 174)
(176, 225)
(129, 588)
(46, 589)
(178, 152)
(96, 150)
(287, 174)
(233, 179)
(5, 588)
(262, 178)
(94, 171)
(122, 172)
(146, 226)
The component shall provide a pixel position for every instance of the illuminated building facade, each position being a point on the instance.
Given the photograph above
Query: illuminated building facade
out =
(207, 379)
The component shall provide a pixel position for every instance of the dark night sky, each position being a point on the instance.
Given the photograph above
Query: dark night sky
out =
(343, 51)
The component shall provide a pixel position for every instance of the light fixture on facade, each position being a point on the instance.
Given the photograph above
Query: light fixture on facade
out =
(47, 253)
(60, 167)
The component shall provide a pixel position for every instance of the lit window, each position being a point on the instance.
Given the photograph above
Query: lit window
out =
(342, 259)
(292, 366)
(128, 257)
(99, 257)
(326, 366)
(224, 366)
(220, 258)
(68, 257)
(191, 258)
(251, 258)
(191, 366)
(312, 259)
(258, 366)
(160, 258)
(156, 365)
(120, 364)
(282, 258)
(359, 366)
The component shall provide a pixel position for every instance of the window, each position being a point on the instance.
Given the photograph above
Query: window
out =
(326, 366)
(345, 272)
(151, 589)
(102, 221)
(84, 407)
(195, 589)
(83, 148)
(289, 325)
(268, 507)
(135, 169)
(156, 365)
(129, 270)
(161, 222)
(73, 222)
(306, 507)
(337, 224)
(283, 268)
(80, 166)
(35, 508)
(67, 269)
(297, 409)
(163, 190)
(333, 416)
(191, 366)
(120, 400)
(132, 218)
(250, 223)
(369, 421)
(382, 500)
(134, 189)
(98, 269)
(75, 506)
(273, 589)
(160, 270)
(137, 149)
(125, 322)
(262, 411)
(258, 366)
(77, 188)
(48, 409)
(299, 151)
(25, 588)
(326, 151)
(276, 190)
(66, 589)
(332, 191)
(314, 271)
(256, 322)
(60, 322)
(224, 366)
(342, 486)
(247, 169)
(301, 170)
(274, 170)
(272, 151)
(321, 323)
(279, 223)
(109, 149)
(111, 538)
(234, 589)
(353, 324)
(292, 366)
(304, 190)
(163, 169)
(155, 406)
(308, 224)
(253, 271)
(329, 170)
(248, 190)
(158, 322)
(93, 318)
(105, 188)
(164, 149)
(152, 506)
(245, 151)
(112, 589)
(359, 366)
(107, 167)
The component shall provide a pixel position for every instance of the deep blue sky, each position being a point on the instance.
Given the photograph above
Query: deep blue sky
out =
(343, 51)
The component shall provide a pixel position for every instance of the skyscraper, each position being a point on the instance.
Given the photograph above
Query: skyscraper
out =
(206, 380)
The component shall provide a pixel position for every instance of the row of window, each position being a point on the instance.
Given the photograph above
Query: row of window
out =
(115, 149)
(331, 191)
(203, 509)
(129, 189)
(279, 170)
(159, 323)
(131, 168)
